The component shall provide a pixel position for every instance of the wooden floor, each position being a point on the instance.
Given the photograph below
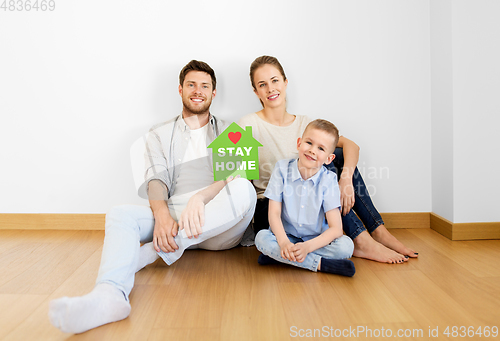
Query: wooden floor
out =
(226, 295)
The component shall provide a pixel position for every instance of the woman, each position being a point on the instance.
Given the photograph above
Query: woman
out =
(278, 131)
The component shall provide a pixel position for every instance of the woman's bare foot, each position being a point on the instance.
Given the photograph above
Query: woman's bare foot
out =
(384, 237)
(366, 247)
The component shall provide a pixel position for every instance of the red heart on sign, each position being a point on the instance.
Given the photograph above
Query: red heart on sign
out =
(234, 137)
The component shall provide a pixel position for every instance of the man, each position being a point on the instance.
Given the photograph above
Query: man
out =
(183, 197)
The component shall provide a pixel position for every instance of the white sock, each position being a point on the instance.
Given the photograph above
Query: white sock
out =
(105, 304)
(147, 255)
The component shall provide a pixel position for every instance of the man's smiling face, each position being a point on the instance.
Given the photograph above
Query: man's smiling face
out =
(197, 92)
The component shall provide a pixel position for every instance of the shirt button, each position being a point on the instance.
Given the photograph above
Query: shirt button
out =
(302, 206)
(300, 225)
(179, 160)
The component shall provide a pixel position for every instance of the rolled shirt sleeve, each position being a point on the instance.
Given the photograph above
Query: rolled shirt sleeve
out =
(331, 191)
(155, 160)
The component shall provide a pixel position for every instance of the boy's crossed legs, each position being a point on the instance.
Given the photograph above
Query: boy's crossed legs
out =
(330, 258)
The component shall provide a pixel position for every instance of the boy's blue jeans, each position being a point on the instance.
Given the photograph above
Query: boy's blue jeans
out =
(340, 248)
(369, 218)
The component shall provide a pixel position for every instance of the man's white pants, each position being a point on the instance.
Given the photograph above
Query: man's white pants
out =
(227, 216)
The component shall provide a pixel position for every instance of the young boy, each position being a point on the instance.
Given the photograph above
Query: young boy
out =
(301, 193)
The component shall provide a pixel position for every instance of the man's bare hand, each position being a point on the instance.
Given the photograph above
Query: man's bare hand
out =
(193, 217)
(164, 232)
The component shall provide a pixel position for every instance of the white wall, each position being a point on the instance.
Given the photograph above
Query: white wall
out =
(442, 108)
(476, 102)
(465, 75)
(80, 84)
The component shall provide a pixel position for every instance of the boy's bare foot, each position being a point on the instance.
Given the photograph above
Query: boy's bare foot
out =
(384, 237)
(366, 247)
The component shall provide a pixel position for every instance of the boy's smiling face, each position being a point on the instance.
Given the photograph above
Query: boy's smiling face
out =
(315, 148)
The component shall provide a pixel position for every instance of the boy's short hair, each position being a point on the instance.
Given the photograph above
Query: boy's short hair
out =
(326, 126)
(196, 65)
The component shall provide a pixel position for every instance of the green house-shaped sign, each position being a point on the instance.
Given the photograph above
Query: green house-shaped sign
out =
(235, 152)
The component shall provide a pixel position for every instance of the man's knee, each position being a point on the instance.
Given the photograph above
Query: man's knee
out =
(120, 216)
(243, 190)
(116, 212)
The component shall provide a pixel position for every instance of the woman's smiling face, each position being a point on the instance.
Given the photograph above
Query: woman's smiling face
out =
(270, 86)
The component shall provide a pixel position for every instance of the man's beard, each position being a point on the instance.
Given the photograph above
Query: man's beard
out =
(188, 106)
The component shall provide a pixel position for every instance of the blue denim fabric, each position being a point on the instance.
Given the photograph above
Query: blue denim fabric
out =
(369, 218)
(340, 248)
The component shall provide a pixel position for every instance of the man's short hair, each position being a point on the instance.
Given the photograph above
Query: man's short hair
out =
(196, 65)
(326, 126)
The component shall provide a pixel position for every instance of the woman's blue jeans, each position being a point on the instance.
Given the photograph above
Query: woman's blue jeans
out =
(363, 216)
